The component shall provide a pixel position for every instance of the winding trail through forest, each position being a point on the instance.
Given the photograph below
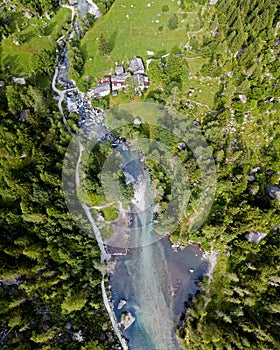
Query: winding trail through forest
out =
(104, 255)
(203, 105)
(187, 46)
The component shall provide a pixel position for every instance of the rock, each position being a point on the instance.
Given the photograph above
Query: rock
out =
(127, 320)
(68, 325)
(137, 121)
(273, 192)
(121, 304)
(275, 228)
(20, 81)
(254, 170)
(7, 282)
(243, 98)
(255, 236)
(28, 15)
(78, 336)
(100, 217)
(181, 146)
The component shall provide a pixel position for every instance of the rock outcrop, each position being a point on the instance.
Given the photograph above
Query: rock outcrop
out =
(121, 304)
(273, 192)
(127, 320)
(255, 236)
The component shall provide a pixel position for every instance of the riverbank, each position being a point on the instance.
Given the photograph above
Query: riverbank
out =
(150, 276)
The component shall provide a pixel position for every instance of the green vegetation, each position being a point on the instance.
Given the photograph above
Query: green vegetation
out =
(237, 309)
(131, 28)
(222, 74)
(103, 46)
(49, 270)
(173, 22)
(19, 58)
(104, 5)
(227, 81)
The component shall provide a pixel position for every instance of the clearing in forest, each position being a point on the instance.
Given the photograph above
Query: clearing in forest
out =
(133, 27)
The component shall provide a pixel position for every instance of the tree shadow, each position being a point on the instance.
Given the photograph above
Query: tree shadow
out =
(9, 64)
(28, 36)
(50, 28)
(112, 40)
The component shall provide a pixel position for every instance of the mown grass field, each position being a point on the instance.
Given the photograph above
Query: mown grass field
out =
(204, 90)
(133, 27)
(18, 57)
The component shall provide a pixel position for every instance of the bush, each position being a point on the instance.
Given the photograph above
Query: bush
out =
(165, 8)
(173, 22)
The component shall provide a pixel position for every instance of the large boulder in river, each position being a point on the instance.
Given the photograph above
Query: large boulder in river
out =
(127, 320)
(273, 192)
(121, 304)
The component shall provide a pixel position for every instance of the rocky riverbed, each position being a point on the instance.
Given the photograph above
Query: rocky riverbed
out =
(150, 280)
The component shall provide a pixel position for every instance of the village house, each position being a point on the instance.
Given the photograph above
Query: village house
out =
(101, 90)
(136, 65)
(141, 81)
(118, 81)
(119, 70)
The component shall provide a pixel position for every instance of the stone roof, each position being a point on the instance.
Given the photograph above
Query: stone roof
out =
(136, 65)
(119, 70)
(100, 90)
(120, 78)
(141, 80)
(103, 87)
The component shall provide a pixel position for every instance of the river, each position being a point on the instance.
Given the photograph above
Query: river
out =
(152, 279)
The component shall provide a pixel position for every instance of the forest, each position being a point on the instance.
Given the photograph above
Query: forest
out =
(50, 276)
(50, 292)
(239, 309)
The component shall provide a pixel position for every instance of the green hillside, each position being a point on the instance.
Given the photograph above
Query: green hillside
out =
(132, 28)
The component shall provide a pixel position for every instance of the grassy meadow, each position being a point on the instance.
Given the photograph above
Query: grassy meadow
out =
(18, 57)
(133, 27)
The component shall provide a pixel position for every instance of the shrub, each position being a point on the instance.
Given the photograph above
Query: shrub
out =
(165, 8)
(173, 22)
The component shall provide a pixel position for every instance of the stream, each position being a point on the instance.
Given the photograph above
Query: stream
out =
(152, 281)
